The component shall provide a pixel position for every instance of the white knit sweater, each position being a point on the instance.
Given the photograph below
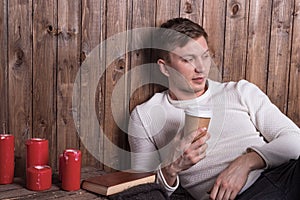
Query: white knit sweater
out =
(243, 117)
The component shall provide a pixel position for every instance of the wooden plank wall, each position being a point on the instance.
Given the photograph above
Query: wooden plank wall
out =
(44, 43)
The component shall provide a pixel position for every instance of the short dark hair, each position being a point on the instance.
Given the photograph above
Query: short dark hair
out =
(186, 27)
(177, 32)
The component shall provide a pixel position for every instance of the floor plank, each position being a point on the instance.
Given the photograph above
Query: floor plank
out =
(17, 189)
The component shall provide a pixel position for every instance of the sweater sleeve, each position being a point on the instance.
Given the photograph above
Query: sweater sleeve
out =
(162, 181)
(144, 155)
(282, 135)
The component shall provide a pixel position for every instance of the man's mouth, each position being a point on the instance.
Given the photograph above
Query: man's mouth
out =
(199, 79)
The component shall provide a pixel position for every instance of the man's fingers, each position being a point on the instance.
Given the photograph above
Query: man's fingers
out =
(201, 141)
(202, 148)
(199, 134)
(233, 194)
(213, 193)
(227, 194)
(192, 135)
(221, 193)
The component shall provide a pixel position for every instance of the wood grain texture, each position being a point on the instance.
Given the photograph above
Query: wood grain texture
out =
(258, 42)
(142, 18)
(44, 74)
(3, 68)
(214, 24)
(236, 33)
(294, 84)
(69, 30)
(167, 9)
(45, 44)
(280, 52)
(17, 189)
(20, 78)
(117, 12)
(192, 9)
(93, 33)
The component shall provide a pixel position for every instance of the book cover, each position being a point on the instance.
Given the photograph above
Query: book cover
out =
(112, 183)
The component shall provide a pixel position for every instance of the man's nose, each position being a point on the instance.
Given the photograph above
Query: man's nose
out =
(199, 65)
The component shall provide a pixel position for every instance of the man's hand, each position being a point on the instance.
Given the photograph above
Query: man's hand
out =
(233, 178)
(187, 153)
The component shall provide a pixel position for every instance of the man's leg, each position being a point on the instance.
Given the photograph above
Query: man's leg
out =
(280, 183)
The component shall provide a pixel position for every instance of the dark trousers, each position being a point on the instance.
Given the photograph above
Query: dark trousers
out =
(279, 183)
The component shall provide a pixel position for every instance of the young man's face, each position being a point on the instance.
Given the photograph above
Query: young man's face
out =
(188, 68)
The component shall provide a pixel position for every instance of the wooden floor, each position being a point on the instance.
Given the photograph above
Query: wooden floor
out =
(17, 190)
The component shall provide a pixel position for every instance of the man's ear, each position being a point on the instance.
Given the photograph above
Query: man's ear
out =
(163, 67)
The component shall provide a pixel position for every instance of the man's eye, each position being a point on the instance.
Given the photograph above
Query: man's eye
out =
(187, 60)
(206, 55)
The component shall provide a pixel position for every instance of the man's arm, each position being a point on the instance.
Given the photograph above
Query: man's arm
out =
(144, 155)
(281, 133)
(234, 177)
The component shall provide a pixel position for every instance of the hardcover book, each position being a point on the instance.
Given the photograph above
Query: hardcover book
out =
(112, 183)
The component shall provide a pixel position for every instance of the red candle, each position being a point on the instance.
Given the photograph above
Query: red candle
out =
(71, 168)
(37, 152)
(6, 158)
(39, 177)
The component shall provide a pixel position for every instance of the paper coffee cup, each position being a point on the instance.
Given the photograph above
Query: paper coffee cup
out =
(195, 121)
(198, 112)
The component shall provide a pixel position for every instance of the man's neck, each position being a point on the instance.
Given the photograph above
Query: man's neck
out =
(180, 95)
(177, 94)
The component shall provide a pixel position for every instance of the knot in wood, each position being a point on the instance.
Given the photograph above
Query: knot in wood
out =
(50, 29)
(43, 123)
(121, 64)
(235, 8)
(188, 8)
(82, 56)
(71, 32)
(19, 55)
(53, 31)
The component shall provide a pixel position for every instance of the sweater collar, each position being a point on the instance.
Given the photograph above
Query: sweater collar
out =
(190, 101)
(199, 107)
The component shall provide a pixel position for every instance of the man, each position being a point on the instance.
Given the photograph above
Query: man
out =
(248, 141)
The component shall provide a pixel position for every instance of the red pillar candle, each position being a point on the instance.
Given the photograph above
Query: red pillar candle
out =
(7, 147)
(71, 168)
(39, 177)
(37, 152)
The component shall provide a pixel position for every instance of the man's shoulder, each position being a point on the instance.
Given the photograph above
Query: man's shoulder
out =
(156, 107)
(232, 84)
(244, 86)
(241, 89)
(159, 98)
